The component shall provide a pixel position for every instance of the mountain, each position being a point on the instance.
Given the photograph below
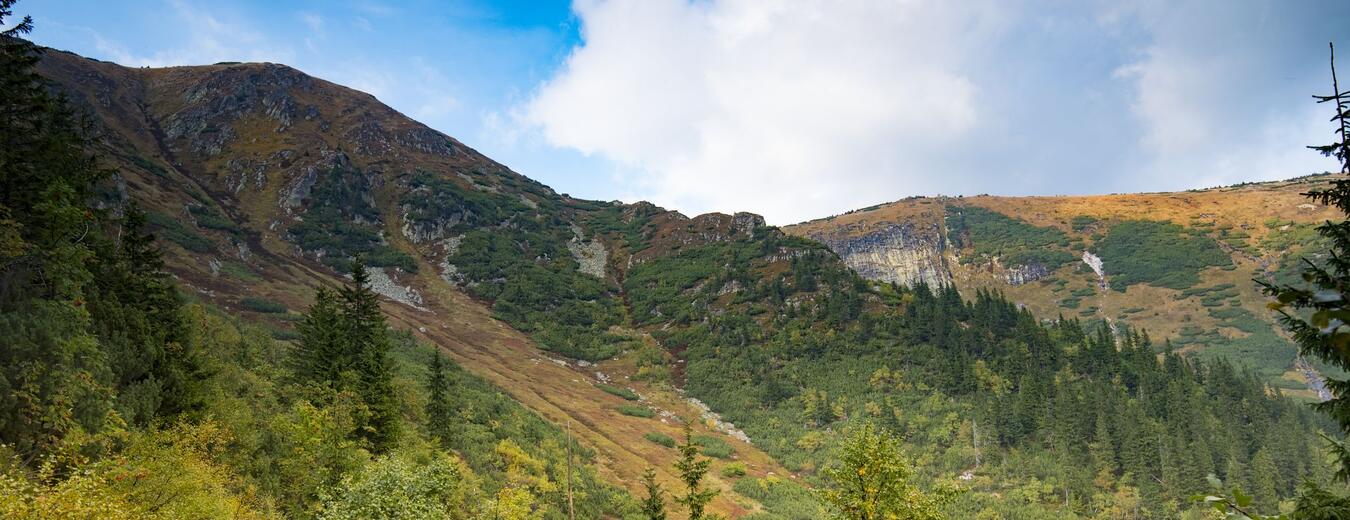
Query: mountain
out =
(263, 183)
(609, 320)
(1180, 265)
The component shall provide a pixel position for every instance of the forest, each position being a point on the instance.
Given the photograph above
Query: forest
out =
(124, 396)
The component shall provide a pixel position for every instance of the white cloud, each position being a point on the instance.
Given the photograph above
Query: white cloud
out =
(786, 108)
(1211, 89)
(803, 108)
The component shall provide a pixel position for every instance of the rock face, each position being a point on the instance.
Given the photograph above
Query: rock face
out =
(1095, 262)
(1022, 274)
(590, 254)
(899, 253)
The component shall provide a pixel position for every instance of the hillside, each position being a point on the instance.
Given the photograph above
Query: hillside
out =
(263, 183)
(1179, 265)
(610, 320)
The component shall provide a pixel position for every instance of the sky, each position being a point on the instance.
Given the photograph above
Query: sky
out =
(795, 109)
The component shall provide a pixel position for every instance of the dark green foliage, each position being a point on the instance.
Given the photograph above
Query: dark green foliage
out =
(636, 411)
(654, 504)
(691, 470)
(618, 391)
(174, 231)
(782, 499)
(660, 438)
(1014, 242)
(341, 223)
(91, 324)
(209, 219)
(343, 347)
(1081, 223)
(1316, 311)
(1156, 253)
(535, 286)
(438, 404)
(713, 446)
(262, 305)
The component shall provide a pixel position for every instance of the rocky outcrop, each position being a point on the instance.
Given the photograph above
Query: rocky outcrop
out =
(898, 253)
(1095, 262)
(1024, 274)
(589, 254)
(382, 284)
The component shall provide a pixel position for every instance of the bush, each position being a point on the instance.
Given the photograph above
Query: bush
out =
(1158, 254)
(263, 305)
(713, 446)
(636, 411)
(1015, 242)
(660, 438)
(619, 391)
(733, 470)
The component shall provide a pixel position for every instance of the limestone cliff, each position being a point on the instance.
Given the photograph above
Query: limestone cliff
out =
(905, 253)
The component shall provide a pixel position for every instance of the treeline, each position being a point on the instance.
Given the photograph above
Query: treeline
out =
(1057, 418)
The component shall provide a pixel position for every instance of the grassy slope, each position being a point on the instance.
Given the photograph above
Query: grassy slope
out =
(165, 176)
(1243, 209)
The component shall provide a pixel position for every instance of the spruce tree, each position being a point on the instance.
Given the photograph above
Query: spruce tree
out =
(321, 354)
(344, 346)
(692, 469)
(368, 335)
(438, 405)
(654, 504)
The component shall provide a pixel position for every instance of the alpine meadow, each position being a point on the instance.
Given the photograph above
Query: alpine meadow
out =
(236, 290)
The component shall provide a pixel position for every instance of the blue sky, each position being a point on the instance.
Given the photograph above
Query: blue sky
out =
(795, 109)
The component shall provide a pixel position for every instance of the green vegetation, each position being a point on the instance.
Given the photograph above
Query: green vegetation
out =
(1014, 242)
(1081, 223)
(1314, 312)
(874, 480)
(660, 438)
(1156, 253)
(262, 305)
(341, 223)
(118, 401)
(734, 470)
(618, 391)
(782, 499)
(636, 411)
(174, 231)
(713, 446)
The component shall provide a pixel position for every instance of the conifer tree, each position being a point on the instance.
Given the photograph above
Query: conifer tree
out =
(654, 504)
(692, 469)
(344, 346)
(438, 405)
(321, 354)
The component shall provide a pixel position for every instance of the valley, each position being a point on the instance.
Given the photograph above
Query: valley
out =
(1016, 380)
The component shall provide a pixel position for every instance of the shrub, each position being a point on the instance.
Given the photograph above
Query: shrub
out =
(619, 391)
(636, 411)
(733, 470)
(660, 438)
(713, 446)
(1015, 242)
(1158, 254)
(263, 305)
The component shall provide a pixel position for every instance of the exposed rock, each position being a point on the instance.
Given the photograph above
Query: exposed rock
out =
(1095, 262)
(896, 253)
(590, 254)
(382, 284)
(715, 420)
(1023, 274)
(449, 272)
